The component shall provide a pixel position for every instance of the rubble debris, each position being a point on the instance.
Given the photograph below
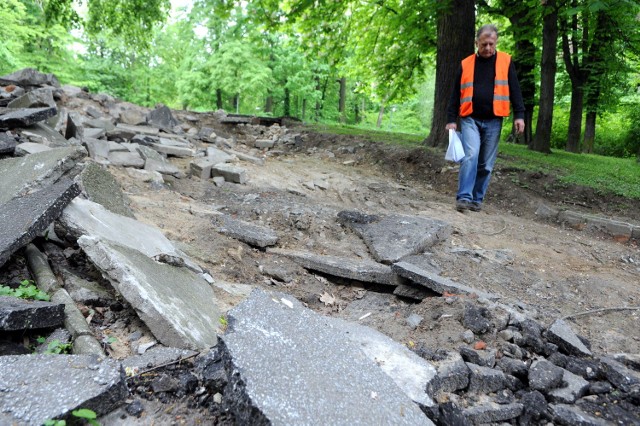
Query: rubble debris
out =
(254, 235)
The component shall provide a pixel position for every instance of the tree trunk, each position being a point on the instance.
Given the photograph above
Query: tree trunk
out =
(268, 105)
(317, 110)
(304, 109)
(541, 142)
(599, 61)
(380, 115)
(456, 33)
(287, 102)
(523, 24)
(589, 132)
(219, 98)
(356, 112)
(343, 98)
(575, 118)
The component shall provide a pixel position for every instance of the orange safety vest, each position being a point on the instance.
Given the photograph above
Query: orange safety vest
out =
(500, 88)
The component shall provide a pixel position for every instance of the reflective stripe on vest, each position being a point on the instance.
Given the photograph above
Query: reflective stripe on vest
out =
(500, 86)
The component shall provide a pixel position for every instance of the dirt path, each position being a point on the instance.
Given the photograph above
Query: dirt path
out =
(546, 270)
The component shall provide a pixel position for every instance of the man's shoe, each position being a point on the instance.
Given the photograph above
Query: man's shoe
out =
(475, 206)
(462, 205)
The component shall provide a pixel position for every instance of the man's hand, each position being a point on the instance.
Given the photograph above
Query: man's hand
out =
(454, 126)
(519, 122)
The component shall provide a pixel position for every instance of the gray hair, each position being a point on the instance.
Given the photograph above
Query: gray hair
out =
(488, 28)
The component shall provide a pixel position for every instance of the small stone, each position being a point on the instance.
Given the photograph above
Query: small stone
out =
(475, 319)
(598, 388)
(217, 398)
(135, 408)
(467, 336)
(414, 320)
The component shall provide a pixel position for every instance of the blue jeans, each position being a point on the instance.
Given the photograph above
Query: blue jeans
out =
(480, 141)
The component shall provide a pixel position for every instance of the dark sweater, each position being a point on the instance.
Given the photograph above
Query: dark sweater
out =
(484, 75)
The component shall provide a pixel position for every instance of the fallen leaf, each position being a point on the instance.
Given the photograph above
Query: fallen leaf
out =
(327, 299)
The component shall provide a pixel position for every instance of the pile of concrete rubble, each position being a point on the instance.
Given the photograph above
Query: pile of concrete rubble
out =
(270, 359)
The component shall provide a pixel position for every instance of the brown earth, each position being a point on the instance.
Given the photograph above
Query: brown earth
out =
(543, 269)
(547, 270)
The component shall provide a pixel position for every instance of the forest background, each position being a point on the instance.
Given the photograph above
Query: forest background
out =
(384, 64)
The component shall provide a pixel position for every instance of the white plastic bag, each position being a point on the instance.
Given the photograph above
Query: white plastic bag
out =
(455, 151)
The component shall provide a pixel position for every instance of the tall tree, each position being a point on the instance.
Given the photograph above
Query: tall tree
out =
(542, 140)
(574, 28)
(456, 34)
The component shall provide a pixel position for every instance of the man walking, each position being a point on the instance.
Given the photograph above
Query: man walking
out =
(486, 82)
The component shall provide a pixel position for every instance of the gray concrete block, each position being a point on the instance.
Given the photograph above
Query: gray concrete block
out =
(230, 173)
(544, 376)
(485, 379)
(201, 168)
(87, 345)
(321, 373)
(8, 143)
(101, 187)
(84, 217)
(26, 148)
(27, 174)
(126, 159)
(453, 374)
(26, 117)
(20, 314)
(31, 214)
(177, 305)
(561, 334)
(36, 388)
(264, 143)
(414, 292)
(619, 375)
(435, 282)
(569, 415)
(353, 269)
(254, 235)
(175, 151)
(393, 237)
(574, 387)
(491, 412)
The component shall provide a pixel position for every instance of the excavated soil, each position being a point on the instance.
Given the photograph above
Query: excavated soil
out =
(546, 270)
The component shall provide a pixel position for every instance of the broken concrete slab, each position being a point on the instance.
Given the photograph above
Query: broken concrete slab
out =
(409, 371)
(201, 168)
(101, 187)
(174, 150)
(84, 217)
(334, 379)
(27, 174)
(396, 236)
(126, 159)
(162, 118)
(84, 291)
(39, 98)
(353, 269)
(561, 334)
(26, 148)
(246, 157)
(8, 143)
(216, 155)
(435, 282)
(127, 131)
(254, 235)
(30, 77)
(20, 314)
(98, 149)
(46, 135)
(31, 214)
(564, 414)
(574, 387)
(619, 375)
(414, 292)
(230, 173)
(37, 388)
(164, 167)
(26, 117)
(177, 305)
(492, 412)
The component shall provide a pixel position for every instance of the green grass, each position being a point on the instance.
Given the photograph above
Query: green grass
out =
(620, 176)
